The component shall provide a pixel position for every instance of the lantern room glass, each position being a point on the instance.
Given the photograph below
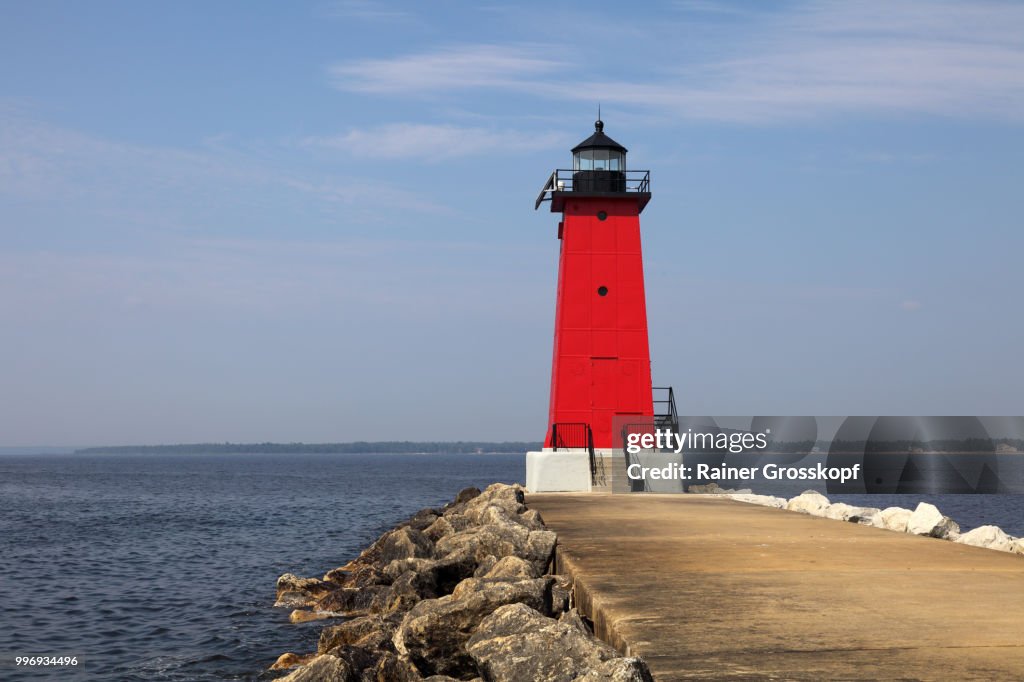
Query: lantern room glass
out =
(599, 160)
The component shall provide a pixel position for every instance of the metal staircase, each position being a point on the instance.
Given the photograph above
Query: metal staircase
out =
(665, 415)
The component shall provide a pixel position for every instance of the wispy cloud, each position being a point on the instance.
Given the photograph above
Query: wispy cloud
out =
(449, 68)
(44, 162)
(433, 142)
(813, 59)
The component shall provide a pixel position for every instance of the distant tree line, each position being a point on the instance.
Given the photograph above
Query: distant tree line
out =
(941, 445)
(356, 447)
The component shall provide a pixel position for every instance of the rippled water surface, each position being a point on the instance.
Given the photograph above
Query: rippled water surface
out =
(163, 567)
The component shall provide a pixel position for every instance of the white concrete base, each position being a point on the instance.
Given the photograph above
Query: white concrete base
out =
(551, 471)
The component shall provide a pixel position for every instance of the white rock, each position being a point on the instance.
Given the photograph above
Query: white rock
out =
(809, 502)
(763, 500)
(990, 537)
(892, 518)
(845, 512)
(928, 520)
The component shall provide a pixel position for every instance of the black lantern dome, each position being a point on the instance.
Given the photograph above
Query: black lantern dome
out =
(599, 163)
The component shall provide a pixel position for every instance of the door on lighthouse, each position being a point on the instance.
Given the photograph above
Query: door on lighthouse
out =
(603, 391)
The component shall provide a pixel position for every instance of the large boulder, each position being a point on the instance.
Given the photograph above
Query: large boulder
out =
(357, 575)
(991, 537)
(293, 591)
(409, 589)
(518, 643)
(809, 502)
(356, 601)
(928, 520)
(304, 616)
(561, 595)
(841, 511)
(392, 668)
(440, 528)
(422, 519)
(511, 498)
(324, 668)
(512, 568)
(367, 631)
(500, 540)
(433, 634)
(400, 543)
(441, 574)
(892, 518)
(289, 660)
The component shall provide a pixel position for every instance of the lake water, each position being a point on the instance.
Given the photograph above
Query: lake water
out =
(163, 567)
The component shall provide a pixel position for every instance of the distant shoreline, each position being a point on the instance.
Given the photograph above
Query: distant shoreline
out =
(355, 447)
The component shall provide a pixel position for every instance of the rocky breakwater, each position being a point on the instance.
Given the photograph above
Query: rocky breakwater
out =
(457, 593)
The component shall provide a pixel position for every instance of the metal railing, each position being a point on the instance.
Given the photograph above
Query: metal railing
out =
(666, 416)
(561, 180)
(565, 435)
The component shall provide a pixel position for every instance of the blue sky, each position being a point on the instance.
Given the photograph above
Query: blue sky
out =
(314, 221)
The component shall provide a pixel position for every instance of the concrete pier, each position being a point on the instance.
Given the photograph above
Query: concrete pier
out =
(704, 587)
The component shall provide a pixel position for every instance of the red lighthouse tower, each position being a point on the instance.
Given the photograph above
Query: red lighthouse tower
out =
(601, 365)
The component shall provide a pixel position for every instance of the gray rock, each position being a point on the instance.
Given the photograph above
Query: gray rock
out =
(540, 549)
(324, 668)
(367, 631)
(486, 564)
(841, 511)
(619, 670)
(809, 502)
(518, 643)
(293, 591)
(573, 618)
(356, 601)
(561, 595)
(467, 494)
(400, 543)
(482, 541)
(991, 537)
(511, 498)
(532, 519)
(357, 575)
(928, 520)
(422, 519)
(892, 518)
(439, 528)
(392, 668)
(433, 634)
(512, 568)
(409, 589)
(400, 566)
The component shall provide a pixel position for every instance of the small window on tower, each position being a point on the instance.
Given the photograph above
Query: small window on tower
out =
(602, 291)
(601, 215)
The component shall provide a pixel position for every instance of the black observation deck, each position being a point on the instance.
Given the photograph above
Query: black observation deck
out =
(565, 184)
